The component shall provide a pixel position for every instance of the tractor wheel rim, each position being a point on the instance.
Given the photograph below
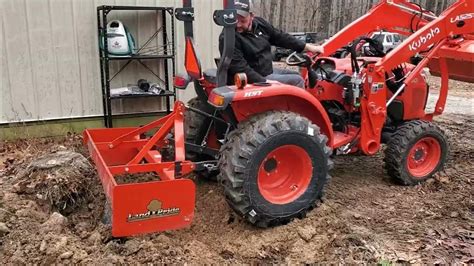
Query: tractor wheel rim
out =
(424, 157)
(284, 174)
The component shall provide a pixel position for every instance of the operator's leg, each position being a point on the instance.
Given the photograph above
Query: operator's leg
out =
(287, 76)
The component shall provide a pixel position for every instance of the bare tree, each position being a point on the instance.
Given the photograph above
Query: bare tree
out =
(324, 19)
(324, 16)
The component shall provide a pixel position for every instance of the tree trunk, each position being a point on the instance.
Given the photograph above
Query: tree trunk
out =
(273, 5)
(325, 16)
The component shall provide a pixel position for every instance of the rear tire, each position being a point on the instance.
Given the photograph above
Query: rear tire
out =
(195, 126)
(415, 152)
(252, 157)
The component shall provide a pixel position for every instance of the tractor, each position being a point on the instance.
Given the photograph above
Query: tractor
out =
(269, 144)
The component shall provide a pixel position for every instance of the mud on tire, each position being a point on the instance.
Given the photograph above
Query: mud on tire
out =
(246, 163)
(195, 126)
(415, 152)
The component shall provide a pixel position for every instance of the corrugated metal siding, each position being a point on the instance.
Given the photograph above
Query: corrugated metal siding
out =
(50, 66)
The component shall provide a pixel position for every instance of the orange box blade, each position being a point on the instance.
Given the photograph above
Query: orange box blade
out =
(142, 208)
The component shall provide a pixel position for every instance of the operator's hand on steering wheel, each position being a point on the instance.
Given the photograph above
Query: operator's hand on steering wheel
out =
(316, 49)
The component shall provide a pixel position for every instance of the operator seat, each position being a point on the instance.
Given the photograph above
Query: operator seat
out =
(210, 75)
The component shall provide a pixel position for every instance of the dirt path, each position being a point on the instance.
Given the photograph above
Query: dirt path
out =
(364, 218)
(460, 99)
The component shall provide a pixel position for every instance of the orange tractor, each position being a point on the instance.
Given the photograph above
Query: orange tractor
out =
(270, 144)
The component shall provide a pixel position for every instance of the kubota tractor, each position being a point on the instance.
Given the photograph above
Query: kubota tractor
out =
(270, 144)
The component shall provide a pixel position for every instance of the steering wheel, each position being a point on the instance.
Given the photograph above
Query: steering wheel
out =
(295, 59)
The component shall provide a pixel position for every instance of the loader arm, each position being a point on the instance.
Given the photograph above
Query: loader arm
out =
(397, 16)
(429, 40)
(457, 20)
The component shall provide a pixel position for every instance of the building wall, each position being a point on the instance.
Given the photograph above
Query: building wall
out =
(49, 56)
(49, 53)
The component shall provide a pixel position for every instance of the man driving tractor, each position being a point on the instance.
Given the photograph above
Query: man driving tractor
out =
(252, 54)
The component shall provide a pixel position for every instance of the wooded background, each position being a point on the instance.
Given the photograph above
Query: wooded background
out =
(323, 16)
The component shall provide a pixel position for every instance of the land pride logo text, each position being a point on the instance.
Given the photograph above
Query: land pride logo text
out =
(415, 45)
(154, 211)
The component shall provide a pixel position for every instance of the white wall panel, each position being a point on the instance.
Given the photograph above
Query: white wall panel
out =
(4, 86)
(18, 56)
(85, 20)
(67, 58)
(43, 60)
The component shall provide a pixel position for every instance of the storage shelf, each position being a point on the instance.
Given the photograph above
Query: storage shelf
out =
(165, 58)
(106, 7)
(140, 57)
(165, 94)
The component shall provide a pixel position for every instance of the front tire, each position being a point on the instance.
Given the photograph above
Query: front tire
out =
(274, 168)
(415, 152)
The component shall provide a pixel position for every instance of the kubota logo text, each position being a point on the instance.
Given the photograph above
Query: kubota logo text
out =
(462, 17)
(423, 39)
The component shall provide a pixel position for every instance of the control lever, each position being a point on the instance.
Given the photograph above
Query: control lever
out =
(312, 76)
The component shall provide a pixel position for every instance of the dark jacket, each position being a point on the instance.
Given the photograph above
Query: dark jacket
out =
(252, 53)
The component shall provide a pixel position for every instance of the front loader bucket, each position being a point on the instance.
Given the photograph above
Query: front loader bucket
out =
(144, 207)
(459, 59)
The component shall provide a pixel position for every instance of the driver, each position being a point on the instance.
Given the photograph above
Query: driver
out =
(252, 54)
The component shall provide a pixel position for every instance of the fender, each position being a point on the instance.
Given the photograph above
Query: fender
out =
(256, 99)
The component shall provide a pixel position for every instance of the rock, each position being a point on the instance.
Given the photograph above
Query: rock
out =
(132, 246)
(16, 260)
(82, 227)
(30, 205)
(443, 179)
(4, 229)
(430, 181)
(95, 238)
(56, 223)
(61, 243)
(80, 255)
(55, 245)
(114, 259)
(454, 214)
(43, 246)
(34, 215)
(4, 214)
(306, 232)
(114, 247)
(66, 255)
(10, 197)
(357, 216)
(164, 240)
(60, 148)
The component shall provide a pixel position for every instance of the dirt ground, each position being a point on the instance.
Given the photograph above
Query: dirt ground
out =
(365, 217)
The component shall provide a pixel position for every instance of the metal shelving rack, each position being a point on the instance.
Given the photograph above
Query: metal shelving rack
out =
(167, 55)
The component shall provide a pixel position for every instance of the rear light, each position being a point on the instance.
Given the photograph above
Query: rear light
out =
(181, 81)
(240, 80)
(216, 100)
